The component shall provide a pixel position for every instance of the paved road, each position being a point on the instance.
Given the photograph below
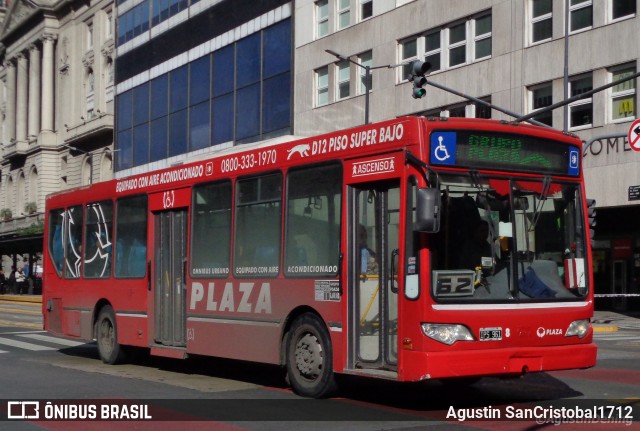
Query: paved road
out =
(236, 396)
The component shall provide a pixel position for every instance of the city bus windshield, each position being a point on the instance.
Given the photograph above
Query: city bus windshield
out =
(508, 239)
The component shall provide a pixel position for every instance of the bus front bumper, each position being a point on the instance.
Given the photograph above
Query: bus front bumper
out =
(514, 361)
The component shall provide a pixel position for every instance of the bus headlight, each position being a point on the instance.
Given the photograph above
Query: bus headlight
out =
(578, 327)
(447, 333)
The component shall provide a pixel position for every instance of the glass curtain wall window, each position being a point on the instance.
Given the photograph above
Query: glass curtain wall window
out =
(239, 93)
(133, 23)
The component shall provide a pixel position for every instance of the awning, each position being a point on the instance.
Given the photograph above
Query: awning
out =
(20, 244)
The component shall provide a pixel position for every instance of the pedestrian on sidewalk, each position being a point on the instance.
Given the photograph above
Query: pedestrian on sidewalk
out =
(20, 281)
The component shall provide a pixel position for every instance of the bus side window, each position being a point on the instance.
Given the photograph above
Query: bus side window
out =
(98, 236)
(56, 246)
(211, 225)
(313, 220)
(131, 237)
(258, 224)
(73, 242)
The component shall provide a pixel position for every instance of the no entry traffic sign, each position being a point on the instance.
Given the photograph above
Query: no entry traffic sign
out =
(634, 135)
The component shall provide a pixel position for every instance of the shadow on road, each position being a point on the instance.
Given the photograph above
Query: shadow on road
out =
(422, 397)
(439, 395)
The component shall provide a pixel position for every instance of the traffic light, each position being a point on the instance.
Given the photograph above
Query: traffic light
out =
(591, 213)
(418, 69)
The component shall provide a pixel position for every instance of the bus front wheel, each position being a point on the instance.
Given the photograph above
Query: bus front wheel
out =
(309, 358)
(107, 337)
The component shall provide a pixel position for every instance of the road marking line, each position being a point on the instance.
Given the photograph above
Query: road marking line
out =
(619, 337)
(23, 345)
(22, 332)
(55, 340)
(21, 310)
(15, 324)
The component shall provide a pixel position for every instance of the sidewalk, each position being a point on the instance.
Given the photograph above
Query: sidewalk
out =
(611, 321)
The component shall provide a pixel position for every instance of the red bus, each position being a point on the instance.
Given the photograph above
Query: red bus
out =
(408, 250)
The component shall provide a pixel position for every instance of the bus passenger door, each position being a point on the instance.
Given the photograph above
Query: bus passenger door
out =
(169, 277)
(374, 225)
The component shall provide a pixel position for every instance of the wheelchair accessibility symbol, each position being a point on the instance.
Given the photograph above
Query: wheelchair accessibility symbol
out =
(441, 152)
(574, 162)
(443, 148)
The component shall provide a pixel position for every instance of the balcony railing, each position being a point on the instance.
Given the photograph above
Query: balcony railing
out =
(12, 225)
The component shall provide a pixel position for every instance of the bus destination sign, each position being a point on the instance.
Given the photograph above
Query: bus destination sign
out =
(503, 151)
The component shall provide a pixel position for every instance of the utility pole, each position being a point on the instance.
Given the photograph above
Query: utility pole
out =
(367, 78)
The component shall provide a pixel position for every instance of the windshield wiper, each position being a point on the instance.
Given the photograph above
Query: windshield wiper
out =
(546, 186)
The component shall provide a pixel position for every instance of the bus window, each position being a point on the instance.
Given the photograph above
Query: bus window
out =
(56, 245)
(313, 221)
(257, 242)
(73, 242)
(131, 237)
(211, 233)
(98, 234)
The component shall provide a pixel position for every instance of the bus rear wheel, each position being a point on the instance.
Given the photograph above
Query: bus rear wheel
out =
(107, 337)
(309, 358)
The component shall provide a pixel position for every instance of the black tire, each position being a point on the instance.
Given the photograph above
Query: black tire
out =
(309, 358)
(107, 337)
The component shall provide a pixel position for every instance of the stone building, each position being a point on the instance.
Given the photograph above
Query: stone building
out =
(56, 118)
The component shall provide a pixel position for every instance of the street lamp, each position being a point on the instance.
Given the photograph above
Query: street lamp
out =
(87, 153)
(367, 78)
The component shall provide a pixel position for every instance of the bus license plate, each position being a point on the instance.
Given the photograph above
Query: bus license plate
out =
(490, 334)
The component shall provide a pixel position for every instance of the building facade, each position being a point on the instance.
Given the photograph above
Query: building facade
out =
(186, 78)
(56, 118)
(509, 53)
(198, 76)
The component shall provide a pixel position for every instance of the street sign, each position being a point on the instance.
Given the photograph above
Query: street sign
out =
(634, 135)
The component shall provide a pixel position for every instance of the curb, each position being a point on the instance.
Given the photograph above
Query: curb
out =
(605, 328)
(22, 298)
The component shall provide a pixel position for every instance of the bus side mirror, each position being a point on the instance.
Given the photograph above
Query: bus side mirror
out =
(428, 203)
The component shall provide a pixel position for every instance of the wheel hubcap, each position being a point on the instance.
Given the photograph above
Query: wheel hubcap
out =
(309, 356)
(106, 336)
